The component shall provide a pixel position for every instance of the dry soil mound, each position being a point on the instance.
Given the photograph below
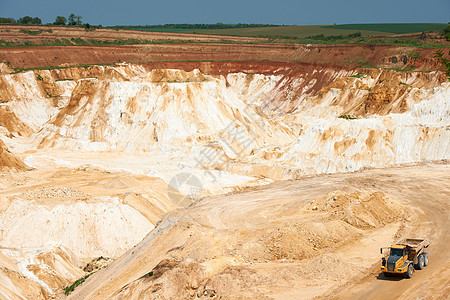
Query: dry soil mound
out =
(359, 210)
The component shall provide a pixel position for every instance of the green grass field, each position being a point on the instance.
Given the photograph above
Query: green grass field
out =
(327, 30)
(293, 31)
(395, 28)
(315, 34)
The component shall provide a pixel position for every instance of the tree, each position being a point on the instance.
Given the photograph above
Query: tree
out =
(71, 20)
(60, 20)
(36, 21)
(78, 20)
(7, 21)
(25, 20)
(29, 20)
(74, 20)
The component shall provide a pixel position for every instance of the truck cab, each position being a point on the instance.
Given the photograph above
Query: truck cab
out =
(396, 261)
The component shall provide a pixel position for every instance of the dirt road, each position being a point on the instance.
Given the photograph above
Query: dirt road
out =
(265, 243)
(433, 282)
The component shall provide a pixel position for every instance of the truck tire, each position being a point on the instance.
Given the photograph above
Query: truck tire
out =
(410, 271)
(420, 262)
(425, 259)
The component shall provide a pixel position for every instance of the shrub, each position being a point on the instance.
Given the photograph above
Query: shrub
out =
(439, 54)
(348, 117)
(31, 32)
(71, 288)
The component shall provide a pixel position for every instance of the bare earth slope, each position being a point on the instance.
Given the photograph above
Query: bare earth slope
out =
(8, 160)
(344, 56)
(112, 147)
(257, 243)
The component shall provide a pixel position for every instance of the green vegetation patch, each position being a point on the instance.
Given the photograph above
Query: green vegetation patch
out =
(35, 32)
(286, 31)
(348, 117)
(446, 33)
(71, 288)
(414, 55)
(359, 75)
(322, 37)
(397, 28)
(439, 54)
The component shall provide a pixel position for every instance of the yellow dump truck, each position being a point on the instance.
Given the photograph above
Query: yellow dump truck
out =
(405, 256)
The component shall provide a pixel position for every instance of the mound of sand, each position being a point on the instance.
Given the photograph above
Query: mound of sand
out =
(372, 210)
(88, 229)
(304, 240)
(8, 160)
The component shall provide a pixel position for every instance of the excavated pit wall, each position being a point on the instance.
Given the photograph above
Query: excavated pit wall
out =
(276, 124)
(294, 123)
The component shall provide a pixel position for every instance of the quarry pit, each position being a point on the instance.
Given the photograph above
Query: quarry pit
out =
(220, 177)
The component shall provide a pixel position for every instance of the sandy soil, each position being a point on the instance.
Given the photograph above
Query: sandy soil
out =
(344, 56)
(221, 246)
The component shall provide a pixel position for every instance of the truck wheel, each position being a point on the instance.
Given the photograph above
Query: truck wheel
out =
(420, 262)
(410, 271)
(425, 259)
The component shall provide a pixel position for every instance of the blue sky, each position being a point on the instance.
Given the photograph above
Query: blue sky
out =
(311, 12)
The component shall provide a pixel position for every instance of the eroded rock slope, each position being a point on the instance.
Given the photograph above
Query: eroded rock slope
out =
(116, 147)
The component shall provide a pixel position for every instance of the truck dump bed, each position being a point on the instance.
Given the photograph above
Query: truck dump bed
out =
(416, 244)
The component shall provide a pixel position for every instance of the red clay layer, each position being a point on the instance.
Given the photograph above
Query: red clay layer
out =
(341, 56)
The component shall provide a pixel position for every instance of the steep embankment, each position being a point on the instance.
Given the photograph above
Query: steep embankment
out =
(8, 160)
(298, 119)
(91, 212)
(342, 56)
(54, 220)
(37, 273)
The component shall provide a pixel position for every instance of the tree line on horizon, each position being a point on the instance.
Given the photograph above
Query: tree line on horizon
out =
(72, 20)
